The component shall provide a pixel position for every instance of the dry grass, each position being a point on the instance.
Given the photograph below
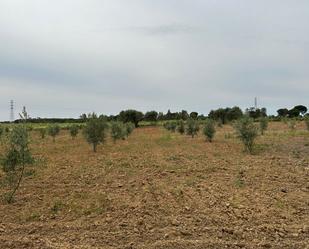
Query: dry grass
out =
(162, 190)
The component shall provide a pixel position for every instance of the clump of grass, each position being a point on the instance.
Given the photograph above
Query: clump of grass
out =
(240, 181)
(57, 206)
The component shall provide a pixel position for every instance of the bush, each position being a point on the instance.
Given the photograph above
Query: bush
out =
(53, 130)
(129, 127)
(42, 132)
(16, 158)
(192, 127)
(263, 124)
(181, 127)
(74, 130)
(95, 131)
(171, 126)
(118, 131)
(209, 130)
(247, 132)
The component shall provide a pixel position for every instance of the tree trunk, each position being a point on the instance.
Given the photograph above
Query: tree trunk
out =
(19, 180)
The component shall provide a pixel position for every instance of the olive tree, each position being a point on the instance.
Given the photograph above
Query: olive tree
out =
(129, 127)
(42, 132)
(53, 130)
(95, 131)
(73, 130)
(181, 127)
(209, 130)
(118, 131)
(192, 127)
(247, 132)
(16, 158)
(263, 124)
(132, 116)
(171, 126)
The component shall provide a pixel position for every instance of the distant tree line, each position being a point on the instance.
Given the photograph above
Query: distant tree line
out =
(221, 115)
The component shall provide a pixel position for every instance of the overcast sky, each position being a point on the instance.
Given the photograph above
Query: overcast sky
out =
(62, 58)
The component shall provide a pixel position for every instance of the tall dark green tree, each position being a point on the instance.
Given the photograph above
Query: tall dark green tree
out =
(301, 108)
(132, 116)
(151, 116)
(184, 115)
(283, 112)
(193, 115)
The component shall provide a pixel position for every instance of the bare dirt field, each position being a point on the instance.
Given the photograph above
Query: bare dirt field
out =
(161, 190)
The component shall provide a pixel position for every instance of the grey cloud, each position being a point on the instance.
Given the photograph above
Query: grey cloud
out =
(77, 56)
(170, 29)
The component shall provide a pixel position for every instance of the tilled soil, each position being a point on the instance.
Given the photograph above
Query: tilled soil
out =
(160, 190)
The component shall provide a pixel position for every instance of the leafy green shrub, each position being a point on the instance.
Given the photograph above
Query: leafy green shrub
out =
(73, 130)
(209, 130)
(181, 127)
(42, 132)
(192, 127)
(118, 131)
(53, 130)
(171, 126)
(16, 158)
(247, 132)
(95, 131)
(263, 124)
(129, 127)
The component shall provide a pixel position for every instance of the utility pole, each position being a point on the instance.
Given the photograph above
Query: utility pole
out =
(12, 117)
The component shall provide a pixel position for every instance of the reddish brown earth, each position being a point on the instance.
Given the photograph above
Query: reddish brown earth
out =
(163, 191)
